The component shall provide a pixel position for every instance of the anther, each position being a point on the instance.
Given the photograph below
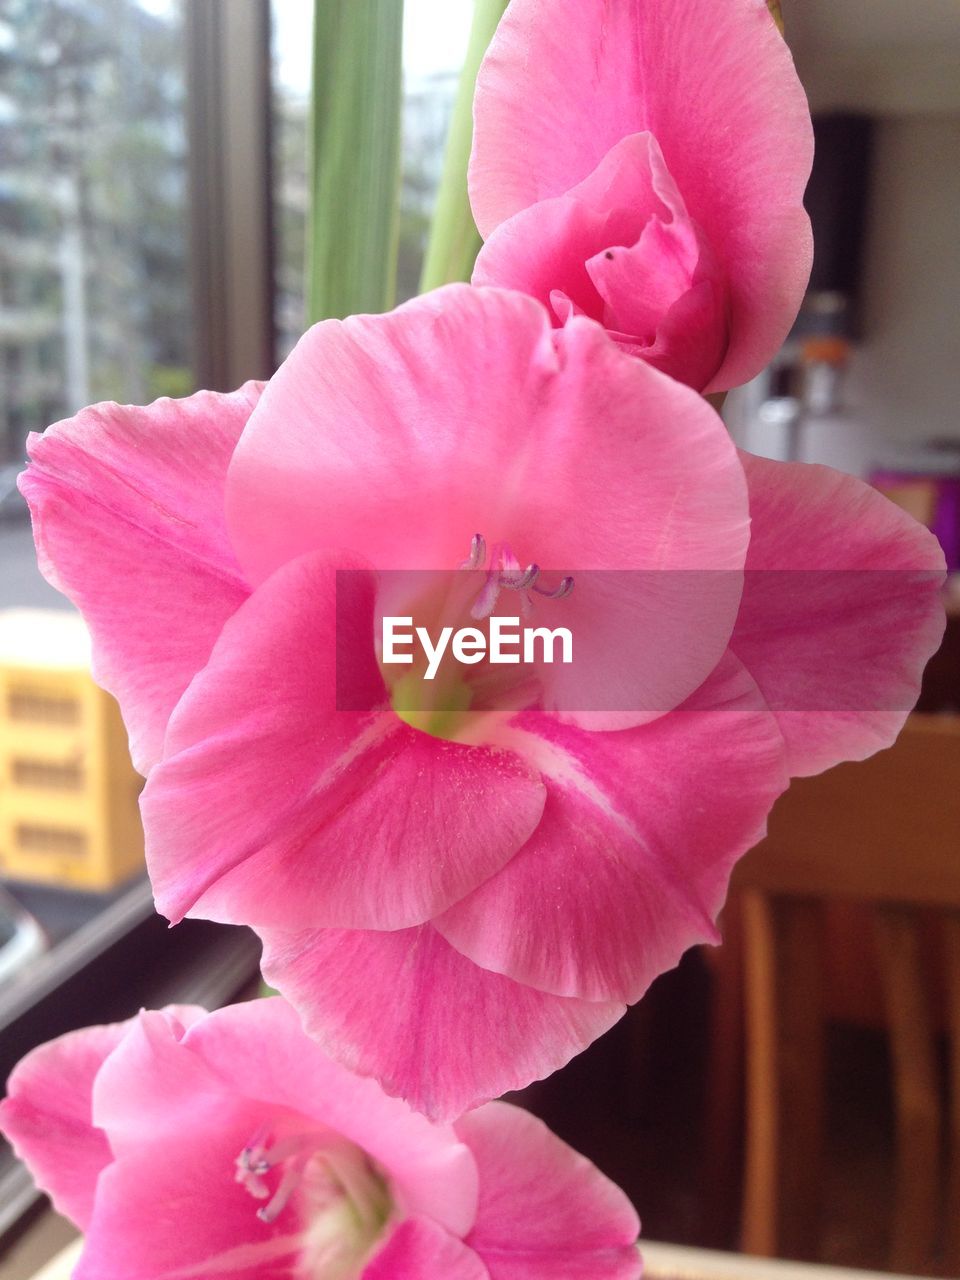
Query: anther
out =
(478, 553)
(261, 1155)
(522, 581)
(292, 1176)
(558, 593)
(513, 578)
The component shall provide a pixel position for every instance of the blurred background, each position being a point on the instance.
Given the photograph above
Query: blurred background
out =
(794, 1094)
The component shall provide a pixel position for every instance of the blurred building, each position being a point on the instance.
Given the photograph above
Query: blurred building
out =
(94, 297)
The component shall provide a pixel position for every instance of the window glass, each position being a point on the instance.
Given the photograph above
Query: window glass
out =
(94, 305)
(434, 43)
(93, 272)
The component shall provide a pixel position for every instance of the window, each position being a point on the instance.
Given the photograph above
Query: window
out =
(93, 209)
(435, 38)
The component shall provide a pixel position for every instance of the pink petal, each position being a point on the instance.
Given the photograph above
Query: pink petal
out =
(545, 1211)
(151, 1082)
(334, 817)
(688, 330)
(842, 608)
(543, 251)
(387, 435)
(620, 248)
(174, 1209)
(688, 335)
(48, 1112)
(668, 264)
(398, 438)
(259, 1050)
(180, 1107)
(46, 1115)
(548, 245)
(427, 1023)
(128, 515)
(714, 83)
(420, 1250)
(625, 872)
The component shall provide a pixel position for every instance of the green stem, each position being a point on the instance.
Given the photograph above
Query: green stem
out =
(353, 225)
(454, 240)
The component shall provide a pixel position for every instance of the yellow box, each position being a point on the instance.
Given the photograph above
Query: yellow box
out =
(68, 792)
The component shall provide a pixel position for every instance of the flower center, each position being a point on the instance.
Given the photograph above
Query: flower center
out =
(338, 1199)
(504, 573)
(439, 694)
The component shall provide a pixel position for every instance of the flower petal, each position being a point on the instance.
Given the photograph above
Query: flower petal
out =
(434, 1172)
(620, 248)
(426, 1022)
(625, 872)
(713, 81)
(48, 1112)
(185, 1217)
(160, 1079)
(128, 516)
(398, 438)
(420, 1250)
(199, 1096)
(401, 437)
(548, 245)
(46, 1115)
(842, 608)
(151, 1082)
(339, 818)
(544, 1209)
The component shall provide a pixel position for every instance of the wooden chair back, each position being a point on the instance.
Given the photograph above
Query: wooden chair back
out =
(883, 832)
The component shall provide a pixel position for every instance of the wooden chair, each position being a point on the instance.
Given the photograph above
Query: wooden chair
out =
(886, 833)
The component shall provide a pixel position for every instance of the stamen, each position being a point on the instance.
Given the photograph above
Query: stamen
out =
(257, 1159)
(478, 553)
(558, 593)
(252, 1164)
(505, 572)
(292, 1177)
(520, 582)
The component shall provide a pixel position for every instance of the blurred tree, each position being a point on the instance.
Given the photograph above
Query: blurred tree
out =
(94, 296)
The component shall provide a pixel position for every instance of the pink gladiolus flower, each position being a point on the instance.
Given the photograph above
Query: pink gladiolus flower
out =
(643, 162)
(187, 1144)
(458, 903)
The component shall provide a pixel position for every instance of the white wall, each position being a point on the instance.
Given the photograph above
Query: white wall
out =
(905, 378)
(903, 384)
(887, 57)
(899, 60)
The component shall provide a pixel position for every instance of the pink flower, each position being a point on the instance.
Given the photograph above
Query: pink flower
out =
(643, 162)
(459, 911)
(193, 1144)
